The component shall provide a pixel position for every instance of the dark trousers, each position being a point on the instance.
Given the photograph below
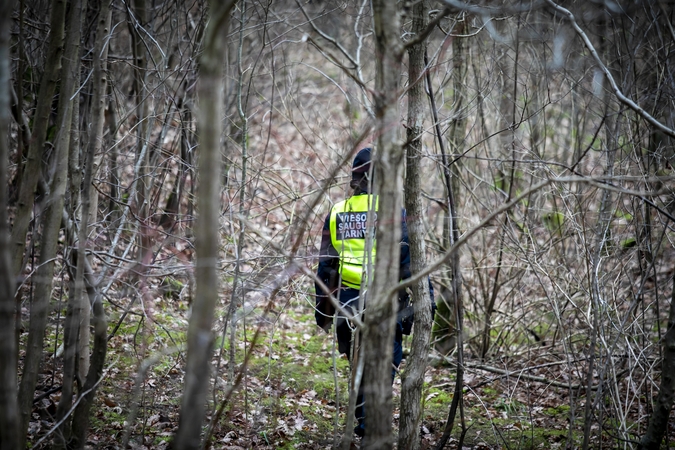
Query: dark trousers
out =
(348, 297)
(360, 411)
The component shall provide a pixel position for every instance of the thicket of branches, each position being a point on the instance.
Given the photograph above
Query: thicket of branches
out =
(545, 147)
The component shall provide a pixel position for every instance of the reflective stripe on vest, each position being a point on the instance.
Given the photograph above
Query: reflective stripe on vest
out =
(348, 226)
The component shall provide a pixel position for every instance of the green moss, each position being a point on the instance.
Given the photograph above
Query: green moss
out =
(171, 287)
(628, 243)
(553, 220)
(563, 410)
(313, 346)
(490, 392)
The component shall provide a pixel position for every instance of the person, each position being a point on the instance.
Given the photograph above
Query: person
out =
(343, 257)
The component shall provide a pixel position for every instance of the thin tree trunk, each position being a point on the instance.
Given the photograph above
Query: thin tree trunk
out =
(452, 234)
(413, 376)
(658, 422)
(82, 411)
(80, 422)
(84, 334)
(444, 329)
(612, 126)
(69, 77)
(50, 232)
(9, 410)
(388, 166)
(23, 135)
(31, 172)
(200, 336)
(73, 213)
(113, 211)
(507, 119)
(138, 18)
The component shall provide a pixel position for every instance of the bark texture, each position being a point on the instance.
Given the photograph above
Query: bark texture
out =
(139, 27)
(200, 336)
(388, 166)
(69, 76)
(82, 411)
(9, 411)
(416, 363)
(52, 221)
(31, 171)
(444, 332)
(658, 422)
(454, 293)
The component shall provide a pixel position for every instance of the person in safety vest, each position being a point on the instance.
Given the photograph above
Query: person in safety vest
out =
(344, 258)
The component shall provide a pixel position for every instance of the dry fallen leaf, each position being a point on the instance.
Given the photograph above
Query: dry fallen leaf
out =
(109, 402)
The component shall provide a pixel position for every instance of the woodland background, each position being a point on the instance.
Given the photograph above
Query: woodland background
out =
(166, 167)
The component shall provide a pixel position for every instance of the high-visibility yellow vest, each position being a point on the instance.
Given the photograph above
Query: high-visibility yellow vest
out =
(348, 233)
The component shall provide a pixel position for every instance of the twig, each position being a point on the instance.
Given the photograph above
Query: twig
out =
(490, 11)
(47, 394)
(622, 98)
(206, 444)
(435, 265)
(70, 411)
(330, 39)
(140, 378)
(427, 31)
(355, 320)
(521, 374)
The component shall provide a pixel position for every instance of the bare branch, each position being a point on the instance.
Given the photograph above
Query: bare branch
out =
(327, 37)
(491, 11)
(435, 265)
(615, 88)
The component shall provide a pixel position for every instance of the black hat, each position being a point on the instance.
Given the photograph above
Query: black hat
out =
(361, 162)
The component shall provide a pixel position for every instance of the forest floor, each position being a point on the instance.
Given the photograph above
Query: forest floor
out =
(293, 393)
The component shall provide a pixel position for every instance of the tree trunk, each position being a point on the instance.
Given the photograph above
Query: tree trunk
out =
(444, 328)
(39, 307)
(380, 316)
(658, 422)
(84, 302)
(508, 67)
(9, 411)
(80, 422)
(73, 215)
(70, 74)
(82, 411)
(200, 337)
(31, 172)
(138, 18)
(416, 363)
(454, 292)
(596, 288)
